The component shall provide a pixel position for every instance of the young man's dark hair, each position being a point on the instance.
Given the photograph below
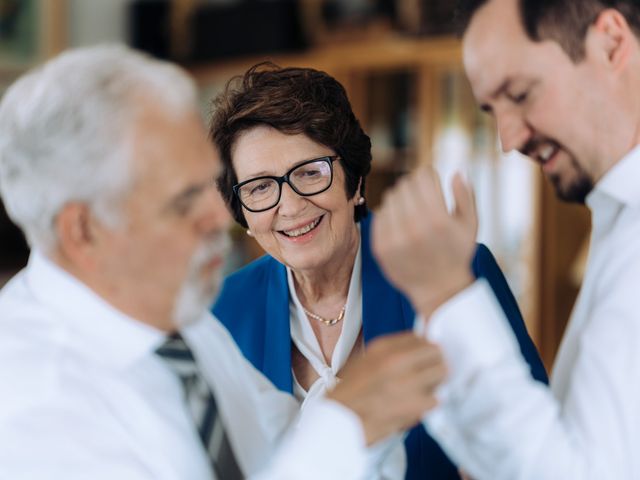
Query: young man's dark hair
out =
(564, 21)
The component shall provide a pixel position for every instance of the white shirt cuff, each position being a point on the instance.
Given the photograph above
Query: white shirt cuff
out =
(328, 442)
(472, 331)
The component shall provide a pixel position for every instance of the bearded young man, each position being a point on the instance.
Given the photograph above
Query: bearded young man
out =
(562, 80)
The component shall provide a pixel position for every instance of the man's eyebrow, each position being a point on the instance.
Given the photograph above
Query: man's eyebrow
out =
(503, 87)
(187, 195)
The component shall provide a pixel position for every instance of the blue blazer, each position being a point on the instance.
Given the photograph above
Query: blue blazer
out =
(254, 306)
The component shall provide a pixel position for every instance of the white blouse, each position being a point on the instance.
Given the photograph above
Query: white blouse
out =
(387, 459)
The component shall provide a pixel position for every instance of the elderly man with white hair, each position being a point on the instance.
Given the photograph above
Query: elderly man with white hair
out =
(111, 365)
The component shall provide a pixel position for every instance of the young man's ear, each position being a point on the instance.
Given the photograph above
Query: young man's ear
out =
(77, 235)
(613, 37)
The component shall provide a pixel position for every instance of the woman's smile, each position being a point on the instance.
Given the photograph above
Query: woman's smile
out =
(303, 230)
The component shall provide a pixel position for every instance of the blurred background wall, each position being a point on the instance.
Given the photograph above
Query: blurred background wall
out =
(400, 62)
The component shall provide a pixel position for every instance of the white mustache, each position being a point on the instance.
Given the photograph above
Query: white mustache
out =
(215, 246)
(198, 293)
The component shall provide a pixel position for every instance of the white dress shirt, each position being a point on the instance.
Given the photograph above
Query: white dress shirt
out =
(387, 459)
(85, 396)
(496, 422)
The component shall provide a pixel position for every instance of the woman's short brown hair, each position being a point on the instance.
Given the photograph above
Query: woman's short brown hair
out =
(293, 101)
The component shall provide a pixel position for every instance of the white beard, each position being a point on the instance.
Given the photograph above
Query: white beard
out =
(197, 293)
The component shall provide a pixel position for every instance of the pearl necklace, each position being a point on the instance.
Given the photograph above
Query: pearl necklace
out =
(327, 321)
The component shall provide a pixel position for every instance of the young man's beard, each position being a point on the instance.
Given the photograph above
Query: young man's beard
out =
(578, 189)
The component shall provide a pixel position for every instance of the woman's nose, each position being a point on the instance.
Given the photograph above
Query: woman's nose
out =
(290, 202)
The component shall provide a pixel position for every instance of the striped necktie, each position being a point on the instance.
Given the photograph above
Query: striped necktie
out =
(202, 405)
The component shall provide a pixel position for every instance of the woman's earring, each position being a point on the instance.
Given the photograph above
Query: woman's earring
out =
(249, 233)
(361, 201)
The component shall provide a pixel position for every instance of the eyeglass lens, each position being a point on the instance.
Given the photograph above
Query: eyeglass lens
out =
(306, 179)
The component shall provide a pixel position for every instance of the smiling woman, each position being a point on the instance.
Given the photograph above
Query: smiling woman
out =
(295, 161)
(313, 233)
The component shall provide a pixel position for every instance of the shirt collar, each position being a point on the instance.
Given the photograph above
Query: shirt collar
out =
(619, 183)
(91, 324)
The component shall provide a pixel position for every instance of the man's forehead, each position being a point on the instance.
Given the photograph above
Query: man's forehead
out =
(173, 148)
(494, 46)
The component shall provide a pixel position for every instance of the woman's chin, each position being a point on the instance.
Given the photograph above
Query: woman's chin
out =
(307, 260)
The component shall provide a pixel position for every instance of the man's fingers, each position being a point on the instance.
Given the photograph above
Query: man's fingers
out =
(411, 360)
(429, 188)
(465, 202)
(393, 384)
(387, 224)
(422, 377)
(402, 342)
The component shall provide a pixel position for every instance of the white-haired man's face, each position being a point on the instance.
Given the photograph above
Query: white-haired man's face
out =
(163, 265)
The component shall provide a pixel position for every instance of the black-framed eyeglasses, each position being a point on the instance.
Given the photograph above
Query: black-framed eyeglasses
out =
(308, 178)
